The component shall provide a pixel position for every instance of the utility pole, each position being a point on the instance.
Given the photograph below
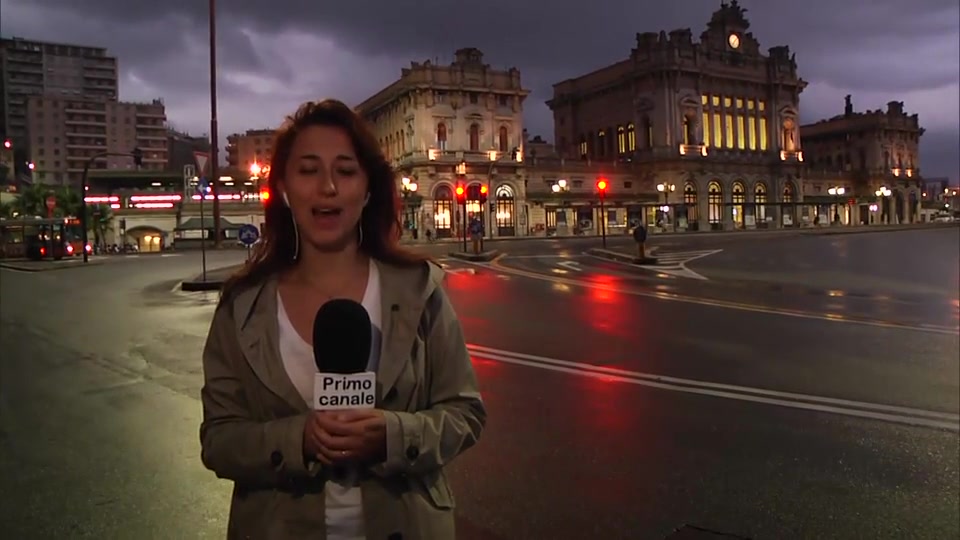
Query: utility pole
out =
(214, 157)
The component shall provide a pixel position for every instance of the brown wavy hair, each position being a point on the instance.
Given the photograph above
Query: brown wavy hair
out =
(380, 218)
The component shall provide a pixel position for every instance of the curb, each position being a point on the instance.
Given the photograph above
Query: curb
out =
(486, 256)
(620, 257)
(836, 232)
(18, 268)
(199, 286)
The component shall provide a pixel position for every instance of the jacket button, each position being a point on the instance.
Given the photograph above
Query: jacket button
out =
(276, 458)
(412, 452)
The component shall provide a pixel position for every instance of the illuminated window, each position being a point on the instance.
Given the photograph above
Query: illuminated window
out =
(763, 134)
(728, 124)
(738, 198)
(706, 128)
(717, 131)
(704, 99)
(727, 102)
(715, 100)
(714, 203)
(762, 105)
(690, 201)
(741, 133)
(621, 140)
(583, 147)
(631, 137)
(750, 104)
(649, 129)
(752, 124)
(760, 199)
(601, 142)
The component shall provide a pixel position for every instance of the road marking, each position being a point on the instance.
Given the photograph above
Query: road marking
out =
(672, 264)
(571, 265)
(725, 304)
(876, 411)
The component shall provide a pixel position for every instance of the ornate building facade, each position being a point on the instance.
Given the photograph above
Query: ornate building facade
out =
(712, 125)
(873, 157)
(448, 125)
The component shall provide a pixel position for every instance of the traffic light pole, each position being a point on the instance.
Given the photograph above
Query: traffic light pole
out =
(603, 221)
(463, 222)
(137, 155)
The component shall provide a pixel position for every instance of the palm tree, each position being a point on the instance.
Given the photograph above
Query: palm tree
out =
(33, 202)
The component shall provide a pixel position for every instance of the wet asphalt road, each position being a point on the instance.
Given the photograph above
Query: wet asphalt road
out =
(624, 402)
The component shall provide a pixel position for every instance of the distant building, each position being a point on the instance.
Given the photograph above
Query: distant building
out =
(249, 149)
(715, 121)
(66, 132)
(865, 153)
(182, 149)
(35, 68)
(444, 125)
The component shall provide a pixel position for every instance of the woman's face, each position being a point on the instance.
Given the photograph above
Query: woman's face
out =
(326, 187)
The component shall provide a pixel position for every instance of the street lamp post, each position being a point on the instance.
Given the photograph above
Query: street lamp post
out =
(407, 188)
(666, 189)
(558, 189)
(881, 194)
(137, 155)
(837, 192)
(214, 157)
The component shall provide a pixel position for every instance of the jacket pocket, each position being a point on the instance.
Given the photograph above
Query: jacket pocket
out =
(437, 490)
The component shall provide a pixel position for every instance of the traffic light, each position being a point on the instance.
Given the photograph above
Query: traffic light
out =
(483, 194)
(8, 144)
(461, 194)
(264, 196)
(602, 185)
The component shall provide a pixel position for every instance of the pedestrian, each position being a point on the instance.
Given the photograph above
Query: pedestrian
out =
(332, 232)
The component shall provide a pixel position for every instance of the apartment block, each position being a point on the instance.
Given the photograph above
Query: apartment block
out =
(65, 133)
(250, 148)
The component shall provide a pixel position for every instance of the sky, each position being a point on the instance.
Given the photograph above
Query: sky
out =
(275, 54)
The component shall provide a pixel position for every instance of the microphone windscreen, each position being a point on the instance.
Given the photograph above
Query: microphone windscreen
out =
(341, 337)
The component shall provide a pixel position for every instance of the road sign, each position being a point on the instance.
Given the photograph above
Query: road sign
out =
(202, 188)
(248, 234)
(201, 158)
(189, 171)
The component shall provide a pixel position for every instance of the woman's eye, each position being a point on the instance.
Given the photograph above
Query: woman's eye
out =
(347, 172)
(308, 171)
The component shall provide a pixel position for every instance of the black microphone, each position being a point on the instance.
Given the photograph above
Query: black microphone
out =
(342, 337)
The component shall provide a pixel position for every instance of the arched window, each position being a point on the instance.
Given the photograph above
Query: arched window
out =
(738, 198)
(601, 143)
(442, 136)
(504, 139)
(715, 203)
(760, 201)
(690, 202)
(474, 137)
(443, 211)
(631, 138)
(621, 140)
(583, 147)
(505, 210)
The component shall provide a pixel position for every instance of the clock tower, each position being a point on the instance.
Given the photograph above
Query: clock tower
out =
(727, 30)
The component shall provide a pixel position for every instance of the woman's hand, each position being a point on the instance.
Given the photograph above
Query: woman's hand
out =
(352, 436)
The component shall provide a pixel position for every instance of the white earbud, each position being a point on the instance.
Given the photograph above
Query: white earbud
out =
(286, 200)
(366, 199)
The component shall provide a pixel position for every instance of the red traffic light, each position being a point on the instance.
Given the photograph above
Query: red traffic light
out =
(461, 193)
(264, 196)
(602, 184)
(7, 144)
(483, 190)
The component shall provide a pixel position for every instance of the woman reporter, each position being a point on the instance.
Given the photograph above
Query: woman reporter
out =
(332, 231)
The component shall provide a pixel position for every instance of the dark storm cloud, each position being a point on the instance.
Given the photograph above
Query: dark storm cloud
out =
(878, 51)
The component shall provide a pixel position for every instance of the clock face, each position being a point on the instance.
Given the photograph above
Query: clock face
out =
(734, 41)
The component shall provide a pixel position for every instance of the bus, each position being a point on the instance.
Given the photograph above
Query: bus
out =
(41, 238)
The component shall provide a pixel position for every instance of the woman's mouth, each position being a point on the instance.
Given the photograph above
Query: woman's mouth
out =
(326, 217)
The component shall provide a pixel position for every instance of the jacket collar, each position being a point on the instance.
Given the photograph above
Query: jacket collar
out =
(404, 293)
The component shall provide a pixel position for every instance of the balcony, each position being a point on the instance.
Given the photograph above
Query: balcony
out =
(693, 150)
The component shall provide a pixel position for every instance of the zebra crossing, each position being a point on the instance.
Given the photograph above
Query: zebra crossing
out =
(675, 264)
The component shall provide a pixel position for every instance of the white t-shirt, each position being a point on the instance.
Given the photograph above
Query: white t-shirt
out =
(344, 508)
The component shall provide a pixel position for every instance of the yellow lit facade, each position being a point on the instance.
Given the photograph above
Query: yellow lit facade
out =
(735, 124)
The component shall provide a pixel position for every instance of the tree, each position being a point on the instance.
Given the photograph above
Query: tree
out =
(33, 202)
